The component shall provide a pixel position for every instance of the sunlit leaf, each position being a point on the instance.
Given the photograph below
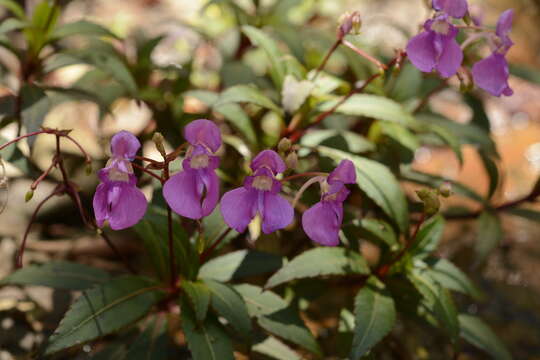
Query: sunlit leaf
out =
(428, 237)
(247, 94)
(82, 27)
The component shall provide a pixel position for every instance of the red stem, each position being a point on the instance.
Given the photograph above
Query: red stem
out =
(306, 174)
(22, 137)
(364, 54)
(145, 170)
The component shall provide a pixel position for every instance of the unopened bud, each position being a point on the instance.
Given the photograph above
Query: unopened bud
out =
(284, 145)
(291, 160)
(349, 23)
(158, 139)
(430, 198)
(445, 189)
(88, 170)
(29, 195)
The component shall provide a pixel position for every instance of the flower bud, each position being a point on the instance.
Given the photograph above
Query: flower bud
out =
(29, 195)
(284, 145)
(88, 170)
(445, 189)
(430, 198)
(349, 23)
(291, 160)
(158, 139)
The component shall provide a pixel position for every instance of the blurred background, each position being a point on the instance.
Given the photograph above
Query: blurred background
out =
(196, 35)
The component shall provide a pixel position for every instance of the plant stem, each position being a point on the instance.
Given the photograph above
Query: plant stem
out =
(22, 137)
(428, 96)
(146, 171)
(326, 58)
(306, 174)
(364, 54)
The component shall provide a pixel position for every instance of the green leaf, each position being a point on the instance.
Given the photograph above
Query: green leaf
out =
(450, 139)
(320, 261)
(438, 300)
(400, 134)
(240, 264)
(492, 171)
(229, 304)
(103, 310)
(207, 341)
(239, 119)
(152, 344)
(82, 27)
(428, 237)
(11, 24)
(378, 183)
(451, 277)
(199, 297)
(381, 231)
(489, 235)
(14, 7)
(480, 117)
(275, 56)
(14, 156)
(274, 348)
(375, 315)
(248, 94)
(407, 84)
(480, 335)
(260, 302)
(373, 106)
(294, 93)
(528, 214)
(58, 275)
(35, 106)
(43, 21)
(331, 138)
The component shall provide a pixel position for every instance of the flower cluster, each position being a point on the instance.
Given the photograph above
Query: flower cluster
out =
(436, 47)
(194, 192)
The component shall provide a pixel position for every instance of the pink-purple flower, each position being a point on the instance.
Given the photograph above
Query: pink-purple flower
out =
(492, 73)
(259, 196)
(117, 198)
(436, 47)
(455, 8)
(322, 221)
(194, 192)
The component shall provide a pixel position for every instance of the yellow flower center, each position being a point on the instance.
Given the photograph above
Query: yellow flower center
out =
(441, 27)
(262, 182)
(199, 161)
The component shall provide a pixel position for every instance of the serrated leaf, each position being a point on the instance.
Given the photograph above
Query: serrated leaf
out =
(35, 105)
(378, 183)
(428, 237)
(322, 261)
(240, 264)
(151, 344)
(229, 304)
(274, 348)
(373, 106)
(381, 231)
(199, 297)
(278, 68)
(58, 275)
(207, 341)
(82, 27)
(439, 301)
(375, 315)
(480, 335)
(259, 301)
(248, 94)
(103, 310)
(489, 235)
(451, 277)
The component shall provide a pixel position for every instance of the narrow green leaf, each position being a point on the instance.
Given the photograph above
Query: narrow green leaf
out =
(229, 304)
(480, 335)
(152, 344)
(274, 348)
(492, 172)
(82, 27)
(239, 119)
(207, 341)
(11, 24)
(379, 184)
(381, 231)
(375, 315)
(428, 237)
(240, 264)
(332, 138)
(58, 275)
(260, 302)
(489, 235)
(450, 139)
(480, 117)
(14, 7)
(400, 134)
(275, 56)
(35, 106)
(528, 214)
(451, 277)
(320, 261)
(199, 297)
(103, 310)
(248, 94)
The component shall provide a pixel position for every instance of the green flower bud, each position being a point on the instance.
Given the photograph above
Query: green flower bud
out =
(291, 160)
(284, 145)
(158, 139)
(88, 170)
(430, 198)
(445, 189)
(29, 195)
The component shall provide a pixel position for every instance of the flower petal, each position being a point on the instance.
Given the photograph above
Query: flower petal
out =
(268, 158)
(100, 204)
(504, 24)
(450, 59)
(211, 182)
(276, 214)
(183, 195)
(421, 51)
(124, 145)
(345, 173)
(128, 208)
(491, 74)
(454, 8)
(237, 208)
(322, 222)
(203, 132)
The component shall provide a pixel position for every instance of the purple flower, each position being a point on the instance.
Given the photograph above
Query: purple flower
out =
(259, 195)
(491, 73)
(454, 8)
(117, 198)
(194, 192)
(436, 48)
(322, 221)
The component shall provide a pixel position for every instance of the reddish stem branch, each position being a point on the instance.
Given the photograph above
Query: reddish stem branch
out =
(326, 58)
(365, 55)
(306, 174)
(43, 131)
(44, 175)
(146, 171)
(87, 157)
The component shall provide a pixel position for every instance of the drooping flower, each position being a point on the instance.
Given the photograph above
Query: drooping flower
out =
(259, 196)
(194, 192)
(322, 221)
(436, 48)
(492, 73)
(455, 8)
(117, 198)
